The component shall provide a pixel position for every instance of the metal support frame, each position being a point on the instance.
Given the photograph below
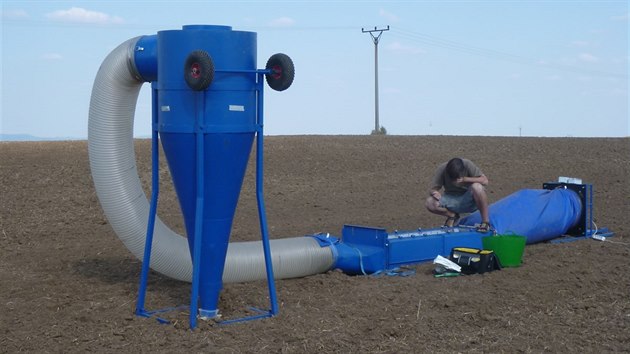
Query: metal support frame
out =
(585, 227)
(585, 191)
(194, 298)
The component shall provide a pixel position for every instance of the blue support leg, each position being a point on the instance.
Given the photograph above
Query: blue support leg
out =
(194, 297)
(261, 203)
(155, 189)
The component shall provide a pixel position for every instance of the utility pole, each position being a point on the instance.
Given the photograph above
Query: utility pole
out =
(375, 39)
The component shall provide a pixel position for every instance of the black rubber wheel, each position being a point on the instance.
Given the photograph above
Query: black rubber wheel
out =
(282, 73)
(198, 70)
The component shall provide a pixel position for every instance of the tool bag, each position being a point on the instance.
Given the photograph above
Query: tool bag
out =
(475, 261)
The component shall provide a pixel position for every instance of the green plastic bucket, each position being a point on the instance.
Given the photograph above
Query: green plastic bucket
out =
(508, 248)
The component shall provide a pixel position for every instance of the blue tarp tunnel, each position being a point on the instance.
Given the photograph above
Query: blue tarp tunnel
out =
(538, 214)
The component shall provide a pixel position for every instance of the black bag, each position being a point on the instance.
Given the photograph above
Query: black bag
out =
(475, 261)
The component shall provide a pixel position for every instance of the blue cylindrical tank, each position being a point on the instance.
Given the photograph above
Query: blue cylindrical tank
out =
(229, 102)
(225, 115)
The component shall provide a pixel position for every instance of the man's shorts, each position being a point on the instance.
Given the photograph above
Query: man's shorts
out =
(464, 203)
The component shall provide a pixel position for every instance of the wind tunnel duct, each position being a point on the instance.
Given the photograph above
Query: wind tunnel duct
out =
(118, 187)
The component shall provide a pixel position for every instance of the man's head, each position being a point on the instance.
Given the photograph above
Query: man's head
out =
(455, 168)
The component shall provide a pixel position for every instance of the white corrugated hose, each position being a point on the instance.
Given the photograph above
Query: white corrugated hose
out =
(113, 165)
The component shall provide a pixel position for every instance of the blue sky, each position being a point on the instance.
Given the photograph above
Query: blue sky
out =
(497, 68)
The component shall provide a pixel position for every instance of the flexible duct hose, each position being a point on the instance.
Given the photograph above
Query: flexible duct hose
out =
(113, 165)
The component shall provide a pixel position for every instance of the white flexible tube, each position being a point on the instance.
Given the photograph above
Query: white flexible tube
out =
(113, 165)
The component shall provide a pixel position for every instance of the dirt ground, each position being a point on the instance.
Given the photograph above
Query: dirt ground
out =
(67, 284)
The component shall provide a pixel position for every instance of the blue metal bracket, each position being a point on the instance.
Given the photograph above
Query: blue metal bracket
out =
(585, 227)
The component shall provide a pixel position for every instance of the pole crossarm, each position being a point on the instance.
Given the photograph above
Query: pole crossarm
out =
(375, 38)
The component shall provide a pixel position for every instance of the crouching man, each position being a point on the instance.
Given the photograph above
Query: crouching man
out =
(459, 187)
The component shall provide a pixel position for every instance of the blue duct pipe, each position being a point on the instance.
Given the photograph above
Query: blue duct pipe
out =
(366, 250)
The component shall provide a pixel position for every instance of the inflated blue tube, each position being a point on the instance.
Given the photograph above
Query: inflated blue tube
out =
(539, 215)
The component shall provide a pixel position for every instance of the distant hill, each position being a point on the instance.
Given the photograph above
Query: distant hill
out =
(28, 137)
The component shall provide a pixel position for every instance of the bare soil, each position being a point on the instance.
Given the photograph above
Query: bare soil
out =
(67, 284)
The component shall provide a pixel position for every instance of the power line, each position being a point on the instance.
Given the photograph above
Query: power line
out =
(495, 54)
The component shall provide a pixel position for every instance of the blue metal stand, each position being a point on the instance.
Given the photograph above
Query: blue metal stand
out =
(196, 257)
(196, 260)
(155, 189)
(260, 198)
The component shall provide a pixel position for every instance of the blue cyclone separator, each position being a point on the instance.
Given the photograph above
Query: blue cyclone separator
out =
(207, 136)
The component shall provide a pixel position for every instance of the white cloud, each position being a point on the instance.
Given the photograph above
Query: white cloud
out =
(623, 17)
(388, 16)
(405, 49)
(588, 57)
(14, 14)
(52, 56)
(80, 15)
(282, 22)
